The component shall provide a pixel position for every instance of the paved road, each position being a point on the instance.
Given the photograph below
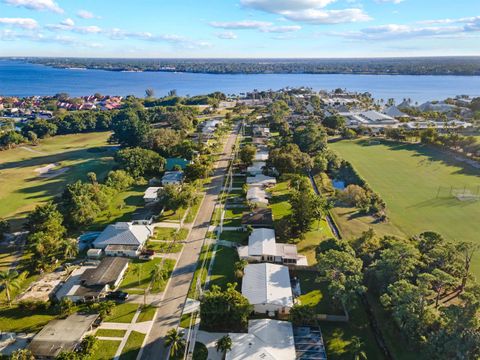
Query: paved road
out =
(170, 309)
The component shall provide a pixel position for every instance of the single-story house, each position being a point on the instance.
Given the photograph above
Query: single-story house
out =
(151, 194)
(172, 178)
(267, 339)
(263, 247)
(143, 217)
(261, 180)
(123, 239)
(256, 168)
(61, 335)
(258, 218)
(92, 283)
(256, 195)
(267, 287)
(173, 163)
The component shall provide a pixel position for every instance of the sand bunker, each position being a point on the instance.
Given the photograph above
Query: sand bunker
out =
(48, 171)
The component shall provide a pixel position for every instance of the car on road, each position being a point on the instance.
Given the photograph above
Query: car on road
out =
(117, 295)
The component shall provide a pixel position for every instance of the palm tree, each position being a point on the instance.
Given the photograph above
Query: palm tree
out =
(176, 342)
(224, 344)
(239, 268)
(69, 248)
(8, 279)
(356, 346)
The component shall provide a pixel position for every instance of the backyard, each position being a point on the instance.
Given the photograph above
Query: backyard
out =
(415, 183)
(32, 174)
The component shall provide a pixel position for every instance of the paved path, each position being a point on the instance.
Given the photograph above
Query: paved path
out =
(170, 309)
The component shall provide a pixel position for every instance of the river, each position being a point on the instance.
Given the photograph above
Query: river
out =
(18, 78)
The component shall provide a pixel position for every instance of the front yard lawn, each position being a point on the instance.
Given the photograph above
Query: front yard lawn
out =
(166, 233)
(223, 267)
(167, 269)
(164, 247)
(147, 313)
(139, 274)
(122, 313)
(240, 237)
(16, 319)
(133, 345)
(235, 213)
(106, 350)
(110, 333)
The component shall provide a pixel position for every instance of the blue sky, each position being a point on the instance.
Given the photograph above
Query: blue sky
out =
(239, 28)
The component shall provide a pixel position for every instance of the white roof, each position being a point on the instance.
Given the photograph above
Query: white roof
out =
(267, 284)
(262, 242)
(261, 180)
(393, 111)
(151, 192)
(261, 155)
(123, 233)
(257, 195)
(257, 167)
(267, 339)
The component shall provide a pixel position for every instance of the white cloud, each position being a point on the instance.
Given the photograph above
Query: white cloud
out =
(85, 14)
(68, 22)
(314, 16)
(278, 6)
(49, 5)
(402, 32)
(87, 29)
(24, 23)
(227, 35)
(281, 29)
(308, 11)
(389, 1)
(239, 25)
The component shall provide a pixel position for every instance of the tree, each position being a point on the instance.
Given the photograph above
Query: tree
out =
(22, 354)
(88, 346)
(4, 228)
(441, 281)
(8, 280)
(247, 154)
(129, 130)
(197, 170)
(310, 138)
(302, 315)
(46, 218)
(224, 310)
(66, 306)
(224, 344)
(175, 197)
(306, 207)
(175, 341)
(149, 92)
(119, 180)
(466, 251)
(289, 159)
(239, 268)
(343, 273)
(140, 162)
(334, 122)
(69, 248)
(356, 347)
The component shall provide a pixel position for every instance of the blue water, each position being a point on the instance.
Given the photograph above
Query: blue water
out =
(23, 79)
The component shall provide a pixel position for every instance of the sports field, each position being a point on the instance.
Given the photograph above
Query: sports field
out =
(415, 181)
(33, 174)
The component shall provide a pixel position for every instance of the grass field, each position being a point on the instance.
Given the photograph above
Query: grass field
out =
(21, 186)
(408, 178)
(122, 313)
(106, 350)
(223, 267)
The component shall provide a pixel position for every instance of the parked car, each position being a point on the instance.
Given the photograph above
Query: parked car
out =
(117, 295)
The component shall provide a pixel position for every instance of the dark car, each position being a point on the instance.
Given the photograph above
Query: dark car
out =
(117, 295)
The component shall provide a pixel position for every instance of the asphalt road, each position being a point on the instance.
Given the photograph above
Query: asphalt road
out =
(170, 309)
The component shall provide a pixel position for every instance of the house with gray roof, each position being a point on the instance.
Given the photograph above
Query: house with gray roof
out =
(123, 239)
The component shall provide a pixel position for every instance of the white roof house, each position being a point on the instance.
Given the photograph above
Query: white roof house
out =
(395, 112)
(257, 195)
(172, 177)
(261, 180)
(267, 287)
(371, 118)
(122, 234)
(262, 247)
(256, 168)
(261, 155)
(151, 194)
(267, 339)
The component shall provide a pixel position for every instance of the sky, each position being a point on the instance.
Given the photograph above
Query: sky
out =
(239, 28)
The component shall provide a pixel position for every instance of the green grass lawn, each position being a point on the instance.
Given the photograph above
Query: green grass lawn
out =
(166, 233)
(110, 333)
(315, 293)
(338, 337)
(133, 345)
(122, 313)
(147, 313)
(164, 247)
(139, 274)
(192, 213)
(106, 350)
(21, 188)
(408, 178)
(240, 237)
(235, 213)
(318, 233)
(223, 266)
(169, 215)
(16, 319)
(279, 201)
(201, 271)
(122, 208)
(168, 267)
